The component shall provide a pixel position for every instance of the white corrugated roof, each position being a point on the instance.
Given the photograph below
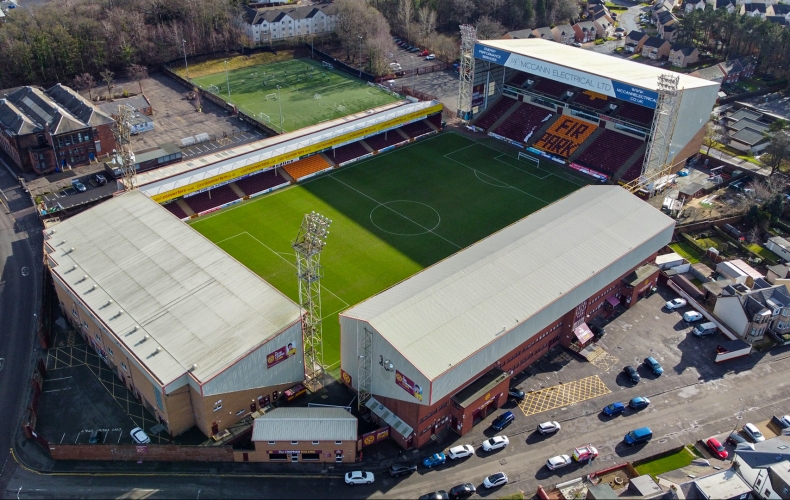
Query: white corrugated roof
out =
(604, 65)
(305, 424)
(447, 312)
(138, 266)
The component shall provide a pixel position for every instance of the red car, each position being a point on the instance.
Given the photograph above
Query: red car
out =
(716, 448)
(424, 53)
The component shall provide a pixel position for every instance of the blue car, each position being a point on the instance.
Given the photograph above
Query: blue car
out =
(613, 409)
(435, 459)
(639, 403)
(654, 366)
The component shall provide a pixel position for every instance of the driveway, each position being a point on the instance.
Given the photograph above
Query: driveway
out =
(626, 20)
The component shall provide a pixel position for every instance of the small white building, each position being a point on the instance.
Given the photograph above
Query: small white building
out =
(779, 246)
(765, 467)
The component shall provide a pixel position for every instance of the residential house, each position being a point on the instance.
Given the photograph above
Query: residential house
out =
(565, 33)
(593, 4)
(663, 6)
(690, 5)
(545, 33)
(780, 247)
(53, 129)
(751, 315)
(264, 25)
(778, 273)
(724, 485)
(780, 20)
(668, 32)
(519, 34)
(604, 25)
(738, 69)
(780, 10)
(635, 41)
(585, 31)
(598, 10)
(753, 9)
(711, 73)
(681, 56)
(749, 140)
(728, 5)
(656, 48)
(765, 467)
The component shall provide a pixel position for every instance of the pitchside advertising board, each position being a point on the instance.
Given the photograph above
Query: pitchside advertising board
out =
(599, 84)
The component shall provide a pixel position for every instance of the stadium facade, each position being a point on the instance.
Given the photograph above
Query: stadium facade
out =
(440, 346)
(199, 338)
(572, 105)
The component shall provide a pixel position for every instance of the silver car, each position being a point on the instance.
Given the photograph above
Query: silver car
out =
(549, 427)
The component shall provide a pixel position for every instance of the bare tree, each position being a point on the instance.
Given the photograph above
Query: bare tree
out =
(405, 16)
(770, 187)
(489, 29)
(108, 76)
(137, 73)
(350, 25)
(712, 136)
(426, 18)
(85, 81)
(777, 151)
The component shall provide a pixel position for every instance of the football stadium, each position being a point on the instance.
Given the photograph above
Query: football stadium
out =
(454, 259)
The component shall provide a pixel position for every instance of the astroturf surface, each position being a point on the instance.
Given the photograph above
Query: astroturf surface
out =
(392, 215)
(300, 81)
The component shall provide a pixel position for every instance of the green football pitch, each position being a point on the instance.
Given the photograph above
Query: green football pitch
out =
(308, 94)
(393, 215)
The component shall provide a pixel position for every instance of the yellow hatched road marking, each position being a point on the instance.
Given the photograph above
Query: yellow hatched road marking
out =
(563, 395)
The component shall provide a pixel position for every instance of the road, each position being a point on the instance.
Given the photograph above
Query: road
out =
(626, 20)
(20, 273)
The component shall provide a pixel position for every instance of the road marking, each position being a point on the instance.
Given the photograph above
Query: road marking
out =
(563, 395)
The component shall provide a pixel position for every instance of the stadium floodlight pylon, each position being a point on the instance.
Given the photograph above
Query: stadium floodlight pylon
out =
(122, 131)
(656, 166)
(309, 243)
(468, 39)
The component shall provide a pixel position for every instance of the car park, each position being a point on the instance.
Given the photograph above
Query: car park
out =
(549, 427)
(430, 57)
(462, 491)
(716, 448)
(139, 436)
(632, 374)
(516, 394)
(675, 304)
(402, 469)
(495, 480)
(436, 495)
(654, 366)
(359, 477)
(753, 432)
(434, 460)
(735, 438)
(461, 451)
(503, 421)
(584, 453)
(495, 443)
(558, 462)
(613, 409)
(692, 316)
(78, 185)
(639, 403)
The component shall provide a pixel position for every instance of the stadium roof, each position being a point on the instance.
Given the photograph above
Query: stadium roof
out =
(449, 311)
(305, 424)
(196, 169)
(603, 65)
(139, 267)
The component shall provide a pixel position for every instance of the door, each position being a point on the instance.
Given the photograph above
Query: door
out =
(214, 428)
(275, 395)
(252, 406)
(245, 457)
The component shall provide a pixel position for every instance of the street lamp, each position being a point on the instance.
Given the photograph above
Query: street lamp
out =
(227, 80)
(184, 42)
(280, 106)
(360, 55)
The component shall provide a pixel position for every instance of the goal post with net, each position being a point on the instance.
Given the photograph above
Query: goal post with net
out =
(271, 97)
(532, 160)
(213, 89)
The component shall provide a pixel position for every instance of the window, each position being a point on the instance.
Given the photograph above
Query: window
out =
(269, 442)
(240, 412)
(310, 457)
(98, 146)
(338, 442)
(218, 405)
(278, 456)
(294, 442)
(315, 442)
(96, 336)
(109, 349)
(123, 365)
(158, 396)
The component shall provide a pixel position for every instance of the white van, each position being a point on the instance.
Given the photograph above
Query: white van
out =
(705, 329)
(692, 316)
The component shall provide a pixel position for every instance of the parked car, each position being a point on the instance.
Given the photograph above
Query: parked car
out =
(584, 453)
(414, 49)
(705, 329)
(430, 57)
(495, 480)
(462, 451)
(436, 495)
(402, 469)
(558, 462)
(424, 53)
(139, 436)
(462, 491)
(359, 477)
(675, 304)
(613, 409)
(576, 44)
(78, 185)
(549, 427)
(516, 394)
(753, 432)
(95, 437)
(495, 443)
(638, 436)
(503, 421)
(735, 438)
(654, 366)
(692, 316)
(639, 403)
(716, 448)
(100, 179)
(435, 459)
(632, 374)
(785, 420)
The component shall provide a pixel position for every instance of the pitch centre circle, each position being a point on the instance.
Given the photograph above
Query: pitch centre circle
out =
(405, 218)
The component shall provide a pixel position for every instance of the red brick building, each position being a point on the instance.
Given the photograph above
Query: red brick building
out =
(44, 131)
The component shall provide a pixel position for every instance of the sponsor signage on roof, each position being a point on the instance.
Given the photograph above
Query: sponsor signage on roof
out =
(599, 84)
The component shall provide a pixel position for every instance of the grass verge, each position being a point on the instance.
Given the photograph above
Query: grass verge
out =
(686, 251)
(666, 463)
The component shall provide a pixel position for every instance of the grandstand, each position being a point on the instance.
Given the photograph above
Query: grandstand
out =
(260, 183)
(385, 140)
(348, 153)
(175, 209)
(581, 108)
(307, 167)
(211, 198)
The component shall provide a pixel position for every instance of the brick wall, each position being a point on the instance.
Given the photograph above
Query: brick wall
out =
(153, 452)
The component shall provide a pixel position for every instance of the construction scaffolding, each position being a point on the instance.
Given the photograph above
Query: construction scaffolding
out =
(309, 243)
(467, 71)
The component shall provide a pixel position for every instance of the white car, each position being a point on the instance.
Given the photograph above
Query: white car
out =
(139, 436)
(675, 304)
(558, 462)
(462, 451)
(495, 480)
(430, 57)
(495, 443)
(549, 427)
(691, 316)
(359, 477)
(753, 432)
